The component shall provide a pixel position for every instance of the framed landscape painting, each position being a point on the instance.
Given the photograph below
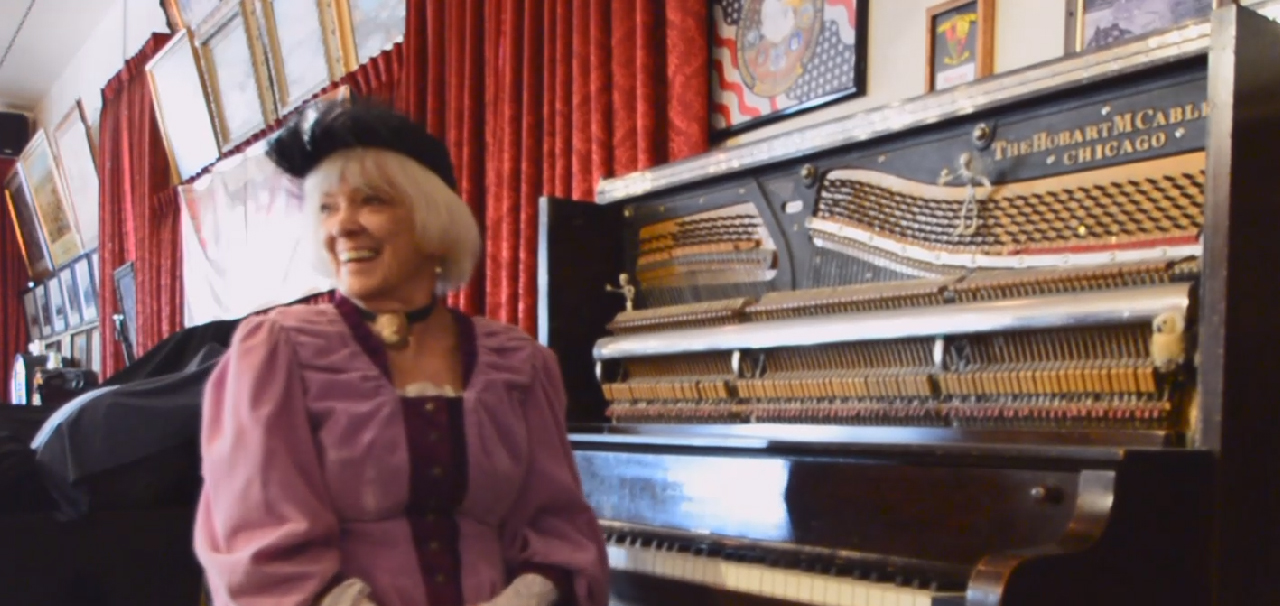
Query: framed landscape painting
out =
(1094, 24)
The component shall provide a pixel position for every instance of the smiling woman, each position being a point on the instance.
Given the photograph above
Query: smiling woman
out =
(384, 450)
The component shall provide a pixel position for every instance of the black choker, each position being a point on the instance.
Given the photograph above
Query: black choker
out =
(393, 327)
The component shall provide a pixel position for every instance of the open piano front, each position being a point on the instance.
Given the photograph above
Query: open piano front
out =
(1008, 344)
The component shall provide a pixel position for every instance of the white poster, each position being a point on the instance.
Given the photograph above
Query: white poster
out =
(243, 237)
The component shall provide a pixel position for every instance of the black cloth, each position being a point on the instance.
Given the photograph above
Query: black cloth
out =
(143, 435)
(175, 352)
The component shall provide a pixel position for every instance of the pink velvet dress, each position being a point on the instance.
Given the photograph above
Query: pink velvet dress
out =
(317, 470)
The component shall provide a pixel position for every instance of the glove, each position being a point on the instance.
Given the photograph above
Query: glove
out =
(528, 589)
(351, 592)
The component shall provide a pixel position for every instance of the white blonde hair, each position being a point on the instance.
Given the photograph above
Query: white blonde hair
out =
(443, 223)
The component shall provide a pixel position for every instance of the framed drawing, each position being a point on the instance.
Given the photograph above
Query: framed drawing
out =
(80, 349)
(87, 289)
(959, 42)
(236, 72)
(22, 210)
(46, 316)
(78, 160)
(368, 27)
(32, 311)
(181, 104)
(57, 220)
(304, 46)
(188, 14)
(69, 293)
(1093, 24)
(57, 304)
(775, 58)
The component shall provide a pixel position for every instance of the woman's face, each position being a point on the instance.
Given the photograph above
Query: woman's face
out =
(370, 239)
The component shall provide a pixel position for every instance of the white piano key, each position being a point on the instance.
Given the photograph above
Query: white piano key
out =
(757, 579)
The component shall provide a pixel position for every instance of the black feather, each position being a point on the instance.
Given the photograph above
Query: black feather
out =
(327, 126)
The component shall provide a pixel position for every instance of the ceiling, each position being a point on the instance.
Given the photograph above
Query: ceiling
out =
(41, 38)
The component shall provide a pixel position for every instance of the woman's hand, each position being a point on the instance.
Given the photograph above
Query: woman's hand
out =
(527, 590)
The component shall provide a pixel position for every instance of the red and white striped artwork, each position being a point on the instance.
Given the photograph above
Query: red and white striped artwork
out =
(772, 57)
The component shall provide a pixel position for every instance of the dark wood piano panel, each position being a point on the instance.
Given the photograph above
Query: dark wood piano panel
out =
(867, 505)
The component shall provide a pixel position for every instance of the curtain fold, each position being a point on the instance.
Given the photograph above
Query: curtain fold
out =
(548, 97)
(159, 266)
(132, 169)
(13, 281)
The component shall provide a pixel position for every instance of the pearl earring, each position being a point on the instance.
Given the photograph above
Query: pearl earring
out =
(439, 269)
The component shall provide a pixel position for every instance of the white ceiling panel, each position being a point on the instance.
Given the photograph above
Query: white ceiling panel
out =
(38, 40)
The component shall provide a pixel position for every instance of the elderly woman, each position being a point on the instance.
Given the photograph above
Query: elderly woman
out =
(385, 450)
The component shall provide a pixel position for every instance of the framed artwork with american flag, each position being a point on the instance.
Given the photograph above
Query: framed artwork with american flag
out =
(775, 58)
(960, 41)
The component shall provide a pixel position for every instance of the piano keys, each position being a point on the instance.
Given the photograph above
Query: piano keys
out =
(959, 350)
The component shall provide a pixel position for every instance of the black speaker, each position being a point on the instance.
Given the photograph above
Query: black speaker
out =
(579, 254)
(15, 132)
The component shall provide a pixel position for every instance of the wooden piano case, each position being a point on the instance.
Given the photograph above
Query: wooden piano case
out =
(1006, 344)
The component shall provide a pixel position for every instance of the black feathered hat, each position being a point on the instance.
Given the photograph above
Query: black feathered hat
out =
(325, 127)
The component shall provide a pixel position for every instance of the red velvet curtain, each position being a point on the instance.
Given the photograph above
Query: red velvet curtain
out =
(132, 169)
(159, 261)
(539, 97)
(13, 281)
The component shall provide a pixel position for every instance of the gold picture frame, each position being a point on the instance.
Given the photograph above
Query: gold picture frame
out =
(307, 55)
(73, 146)
(1152, 16)
(235, 72)
(368, 27)
(181, 103)
(22, 210)
(57, 218)
(190, 14)
(971, 25)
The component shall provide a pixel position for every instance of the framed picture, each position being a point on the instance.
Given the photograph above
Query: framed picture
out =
(189, 13)
(22, 210)
(42, 305)
(959, 42)
(57, 220)
(775, 58)
(1094, 24)
(96, 262)
(368, 27)
(235, 71)
(181, 104)
(56, 296)
(76, 156)
(32, 311)
(304, 46)
(70, 295)
(86, 288)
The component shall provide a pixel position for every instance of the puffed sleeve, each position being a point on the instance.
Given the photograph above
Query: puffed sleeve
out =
(265, 531)
(550, 529)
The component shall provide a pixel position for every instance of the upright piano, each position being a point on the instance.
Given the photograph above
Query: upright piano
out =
(1007, 344)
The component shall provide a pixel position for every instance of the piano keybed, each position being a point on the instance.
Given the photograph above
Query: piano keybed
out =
(751, 572)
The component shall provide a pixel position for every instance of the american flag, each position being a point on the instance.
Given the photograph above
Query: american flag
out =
(830, 70)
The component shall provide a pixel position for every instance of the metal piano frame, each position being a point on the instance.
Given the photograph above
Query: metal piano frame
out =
(737, 465)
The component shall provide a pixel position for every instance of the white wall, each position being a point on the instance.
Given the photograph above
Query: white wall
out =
(124, 29)
(1027, 32)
